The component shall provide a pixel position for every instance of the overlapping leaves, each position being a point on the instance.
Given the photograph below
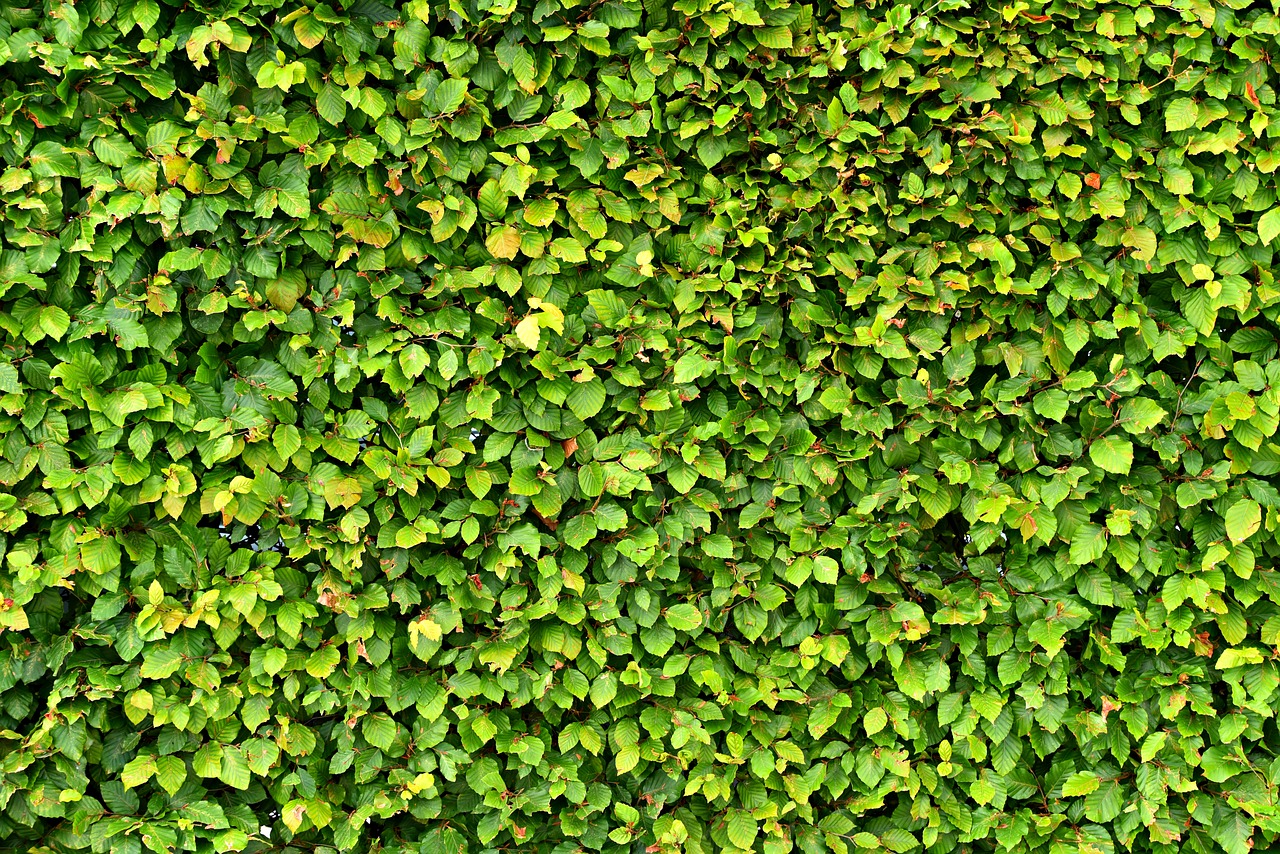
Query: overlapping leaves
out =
(753, 426)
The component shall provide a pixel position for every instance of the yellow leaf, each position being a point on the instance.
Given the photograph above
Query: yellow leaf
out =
(551, 317)
(529, 331)
(503, 242)
(426, 626)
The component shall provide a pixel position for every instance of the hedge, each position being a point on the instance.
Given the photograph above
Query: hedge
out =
(690, 426)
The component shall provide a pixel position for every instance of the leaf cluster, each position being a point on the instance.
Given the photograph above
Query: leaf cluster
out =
(548, 425)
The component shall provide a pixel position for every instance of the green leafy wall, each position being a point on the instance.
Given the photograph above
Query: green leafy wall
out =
(697, 426)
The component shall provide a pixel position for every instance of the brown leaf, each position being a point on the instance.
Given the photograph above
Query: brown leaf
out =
(393, 181)
(1093, 179)
(331, 599)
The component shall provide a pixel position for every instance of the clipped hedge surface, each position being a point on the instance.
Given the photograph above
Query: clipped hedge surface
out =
(692, 427)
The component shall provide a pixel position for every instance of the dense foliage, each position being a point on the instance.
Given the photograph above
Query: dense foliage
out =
(695, 426)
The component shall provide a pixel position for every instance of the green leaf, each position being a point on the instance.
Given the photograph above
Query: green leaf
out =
(742, 829)
(1269, 225)
(284, 291)
(875, 720)
(1104, 803)
(1181, 114)
(579, 531)
(1140, 414)
(308, 31)
(683, 617)
(1152, 745)
(171, 773)
(204, 214)
(161, 663)
(525, 481)
(1238, 658)
(146, 13)
(1142, 240)
(777, 38)
(492, 200)
(479, 481)
(360, 152)
(1080, 783)
(1052, 404)
(48, 159)
(540, 212)
(1232, 831)
(1088, 544)
(113, 150)
(138, 771)
(54, 321)
(983, 791)
(711, 150)
(586, 399)
(448, 96)
(234, 770)
(609, 308)
(627, 758)
(717, 545)
(273, 660)
(826, 571)
(331, 105)
(603, 690)
(1070, 184)
(1219, 764)
(322, 662)
(379, 730)
(1112, 454)
(1243, 518)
